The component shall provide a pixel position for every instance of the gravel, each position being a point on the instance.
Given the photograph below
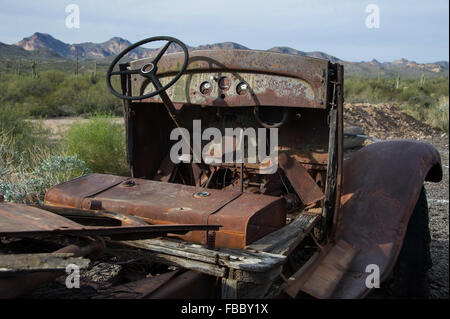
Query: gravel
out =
(437, 195)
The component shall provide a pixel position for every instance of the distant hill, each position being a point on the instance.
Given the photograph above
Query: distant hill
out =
(14, 52)
(42, 41)
(86, 50)
(221, 46)
(314, 54)
(41, 46)
(400, 67)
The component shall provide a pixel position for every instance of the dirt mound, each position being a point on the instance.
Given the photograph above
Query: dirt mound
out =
(386, 121)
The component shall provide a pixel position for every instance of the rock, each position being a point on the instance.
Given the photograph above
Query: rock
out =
(353, 142)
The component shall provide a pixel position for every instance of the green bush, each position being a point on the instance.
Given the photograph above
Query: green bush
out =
(422, 100)
(56, 93)
(100, 143)
(27, 173)
(23, 185)
(31, 162)
(439, 114)
(23, 135)
(435, 115)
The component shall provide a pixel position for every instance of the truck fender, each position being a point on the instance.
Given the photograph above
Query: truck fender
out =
(381, 186)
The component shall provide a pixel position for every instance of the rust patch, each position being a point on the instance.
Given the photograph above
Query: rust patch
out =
(272, 78)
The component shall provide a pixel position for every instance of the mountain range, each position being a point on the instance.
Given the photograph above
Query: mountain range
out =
(41, 46)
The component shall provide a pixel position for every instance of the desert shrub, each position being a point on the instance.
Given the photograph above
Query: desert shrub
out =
(49, 110)
(55, 93)
(25, 175)
(27, 88)
(423, 100)
(24, 135)
(101, 100)
(438, 114)
(100, 143)
(82, 95)
(29, 162)
(29, 186)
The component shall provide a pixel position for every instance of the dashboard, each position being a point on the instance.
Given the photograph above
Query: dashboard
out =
(239, 78)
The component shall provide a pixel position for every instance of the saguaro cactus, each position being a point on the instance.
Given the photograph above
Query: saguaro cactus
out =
(33, 70)
(94, 74)
(422, 80)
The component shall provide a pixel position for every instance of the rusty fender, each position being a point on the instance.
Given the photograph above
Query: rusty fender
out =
(381, 186)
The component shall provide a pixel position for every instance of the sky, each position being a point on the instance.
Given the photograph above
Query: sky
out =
(415, 30)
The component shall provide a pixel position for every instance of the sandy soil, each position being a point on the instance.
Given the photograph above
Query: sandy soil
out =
(61, 124)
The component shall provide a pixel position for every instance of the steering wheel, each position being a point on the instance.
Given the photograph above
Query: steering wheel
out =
(149, 69)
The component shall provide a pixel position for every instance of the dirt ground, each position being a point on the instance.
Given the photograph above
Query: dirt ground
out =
(61, 124)
(382, 121)
(437, 194)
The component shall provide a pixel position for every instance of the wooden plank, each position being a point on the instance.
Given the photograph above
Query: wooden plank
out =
(27, 263)
(284, 240)
(224, 257)
(205, 268)
(332, 171)
(250, 285)
(179, 261)
(229, 288)
(246, 274)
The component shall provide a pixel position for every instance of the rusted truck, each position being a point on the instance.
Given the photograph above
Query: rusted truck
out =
(311, 225)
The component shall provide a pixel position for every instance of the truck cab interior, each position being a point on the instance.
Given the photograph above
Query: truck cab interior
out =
(297, 97)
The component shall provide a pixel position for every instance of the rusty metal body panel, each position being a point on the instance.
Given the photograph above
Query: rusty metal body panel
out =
(304, 185)
(381, 186)
(273, 78)
(17, 220)
(23, 218)
(244, 217)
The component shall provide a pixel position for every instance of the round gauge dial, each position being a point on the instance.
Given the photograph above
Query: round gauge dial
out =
(242, 88)
(224, 83)
(205, 87)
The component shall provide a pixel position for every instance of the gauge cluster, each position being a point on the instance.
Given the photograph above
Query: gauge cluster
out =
(224, 84)
(237, 89)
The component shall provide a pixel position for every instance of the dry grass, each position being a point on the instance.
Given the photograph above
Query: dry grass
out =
(27, 173)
